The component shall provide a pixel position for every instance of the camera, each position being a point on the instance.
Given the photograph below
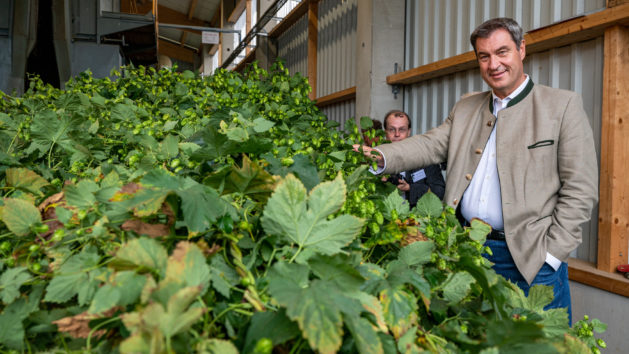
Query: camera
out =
(395, 179)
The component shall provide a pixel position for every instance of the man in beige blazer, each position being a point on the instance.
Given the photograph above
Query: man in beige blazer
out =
(520, 157)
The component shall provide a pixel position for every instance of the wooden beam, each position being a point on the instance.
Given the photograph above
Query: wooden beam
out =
(184, 34)
(290, 19)
(168, 15)
(238, 9)
(553, 36)
(586, 273)
(248, 24)
(613, 225)
(336, 97)
(175, 51)
(213, 49)
(313, 29)
(612, 3)
(156, 15)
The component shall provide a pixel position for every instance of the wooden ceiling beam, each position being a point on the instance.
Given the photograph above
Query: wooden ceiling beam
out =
(166, 15)
(176, 52)
(238, 9)
(184, 34)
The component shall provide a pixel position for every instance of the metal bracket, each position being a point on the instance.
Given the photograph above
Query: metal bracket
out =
(395, 88)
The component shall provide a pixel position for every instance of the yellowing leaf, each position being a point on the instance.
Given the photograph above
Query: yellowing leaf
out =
(187, 266)
(19, 216)
(400, 310)
(25, 179)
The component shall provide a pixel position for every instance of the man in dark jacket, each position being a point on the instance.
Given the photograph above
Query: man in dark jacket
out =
(414, 183)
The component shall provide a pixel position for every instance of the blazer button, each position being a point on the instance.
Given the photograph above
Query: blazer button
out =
(490, 123)
(455, 201)
(479, 151)
(468, 177)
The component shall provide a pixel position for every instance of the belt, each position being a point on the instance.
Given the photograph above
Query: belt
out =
(496, 235)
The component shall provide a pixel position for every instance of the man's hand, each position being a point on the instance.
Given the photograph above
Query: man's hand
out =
(403, 186)
(370, 153)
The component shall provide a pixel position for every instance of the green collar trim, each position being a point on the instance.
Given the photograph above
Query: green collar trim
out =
(516, 99)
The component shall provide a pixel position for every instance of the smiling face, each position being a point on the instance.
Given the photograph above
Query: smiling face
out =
(500, 62)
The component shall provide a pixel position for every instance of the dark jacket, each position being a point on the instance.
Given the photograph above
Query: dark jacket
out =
(419, 184)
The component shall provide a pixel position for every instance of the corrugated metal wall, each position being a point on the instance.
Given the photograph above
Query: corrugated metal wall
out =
(438, 29)
(292, 46)
(578, 67)
(341, 112)
(336, 53)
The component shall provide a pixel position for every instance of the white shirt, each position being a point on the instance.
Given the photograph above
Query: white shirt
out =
(482, 198)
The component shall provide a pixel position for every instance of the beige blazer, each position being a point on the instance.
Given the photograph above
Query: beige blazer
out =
(546, 164)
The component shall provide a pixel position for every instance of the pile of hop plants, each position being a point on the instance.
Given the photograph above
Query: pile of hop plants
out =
(165, 212)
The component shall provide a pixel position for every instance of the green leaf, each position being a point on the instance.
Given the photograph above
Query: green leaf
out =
(10, 282)
(170, 125)
(143, 253)
(12, 330)
(457, 286)
(106, 297)
(49, 129)
(201, 205)
(187, 266)
(260, 125)
(338, 270)
(250, 179)
(366, 337)
(417, 252)
(598, 326)
(302, 167)
(223, 276)
(312, 305)
(479, 230)
(64, 215)
(540, 296)
(394, 201)
(75, 276)
(555, 322)
(81, 195)
(25, 179)
(170, 146)
(124, 290)
(216, 346)
(275, 326)
(408, 342)
(365, 122)
(303, 220)
(400, 309)
(429, 205)
(179, 316)
(19, 215)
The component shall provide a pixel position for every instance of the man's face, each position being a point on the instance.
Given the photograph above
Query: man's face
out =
(397, 128)
(500, 62)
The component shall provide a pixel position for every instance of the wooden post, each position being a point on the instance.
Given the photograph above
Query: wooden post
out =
(155, 14)
(613, 225)
(248, 23)
(313, 10)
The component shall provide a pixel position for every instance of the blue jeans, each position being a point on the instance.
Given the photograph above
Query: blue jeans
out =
(504, 265)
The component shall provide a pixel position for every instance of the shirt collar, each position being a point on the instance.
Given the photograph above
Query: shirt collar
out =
(514, 93)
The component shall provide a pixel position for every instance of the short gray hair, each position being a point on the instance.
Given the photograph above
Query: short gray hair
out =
(488, 27)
